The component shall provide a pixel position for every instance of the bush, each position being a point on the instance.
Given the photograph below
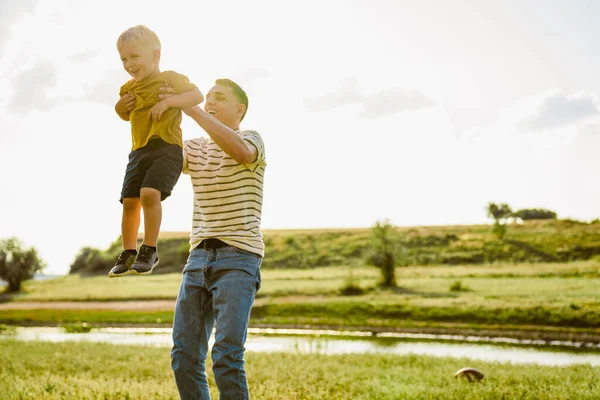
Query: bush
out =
(351, 290)
(92, 261)
(350, 287)
(535, 213)
(457, 286)
(7, 329)
(77, 328)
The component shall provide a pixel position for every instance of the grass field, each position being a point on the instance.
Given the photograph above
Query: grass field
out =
(525, 296)
(30, 370)
(532, 241)
(501, 284)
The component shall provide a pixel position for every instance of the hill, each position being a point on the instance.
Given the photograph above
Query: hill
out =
(532, 242)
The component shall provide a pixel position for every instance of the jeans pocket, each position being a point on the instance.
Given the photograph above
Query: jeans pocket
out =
(245, 252)
(258, 279)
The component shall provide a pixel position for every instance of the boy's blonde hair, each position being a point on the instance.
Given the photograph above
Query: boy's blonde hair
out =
(141, 36)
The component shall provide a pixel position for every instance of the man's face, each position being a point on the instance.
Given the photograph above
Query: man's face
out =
(222, 104)
(139, 62)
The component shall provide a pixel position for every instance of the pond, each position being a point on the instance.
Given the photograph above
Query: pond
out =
(336, 342)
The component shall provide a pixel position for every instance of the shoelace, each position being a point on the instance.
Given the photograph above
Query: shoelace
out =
(123, 258)
(145, 254)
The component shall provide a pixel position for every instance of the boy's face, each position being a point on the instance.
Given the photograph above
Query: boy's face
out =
(139, 62)
(222, 104)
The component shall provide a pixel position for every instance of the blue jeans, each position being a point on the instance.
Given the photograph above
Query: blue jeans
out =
(218, 287)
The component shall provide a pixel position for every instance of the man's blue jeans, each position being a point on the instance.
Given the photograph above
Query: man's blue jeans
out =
(218, 287)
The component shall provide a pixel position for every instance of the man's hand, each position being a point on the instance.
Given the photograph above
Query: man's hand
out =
(157, 111)
(125, 104)
(166, 91)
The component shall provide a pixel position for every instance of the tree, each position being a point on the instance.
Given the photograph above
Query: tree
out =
(17, 264)
(535, 213)
(383, 257)
(500, 213)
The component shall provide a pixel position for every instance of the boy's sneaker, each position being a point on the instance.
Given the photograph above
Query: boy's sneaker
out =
(145, 262)
(123, 265)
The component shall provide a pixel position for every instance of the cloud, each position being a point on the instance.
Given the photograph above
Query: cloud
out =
(106, 90)
(31, 87)
(559, 109)
(82, 56)
(393, 100)
(251, 73)
(388, 101)
(10, 11)
(347, 93)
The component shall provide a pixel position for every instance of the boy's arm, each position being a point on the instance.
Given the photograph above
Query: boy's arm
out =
(124, 106)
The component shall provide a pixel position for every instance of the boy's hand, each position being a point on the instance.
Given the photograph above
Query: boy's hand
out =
(157, 111)
(125, 104)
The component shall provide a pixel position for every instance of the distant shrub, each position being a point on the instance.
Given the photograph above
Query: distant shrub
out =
(535, 213)
(77, 328)
(90, 260)
(7, 329)
(351, 290)
(457, 286)
(350, 287)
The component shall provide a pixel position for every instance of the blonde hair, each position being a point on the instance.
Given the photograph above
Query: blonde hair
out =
(140, 35)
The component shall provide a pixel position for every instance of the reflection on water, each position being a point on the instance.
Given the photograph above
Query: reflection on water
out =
(326, 342)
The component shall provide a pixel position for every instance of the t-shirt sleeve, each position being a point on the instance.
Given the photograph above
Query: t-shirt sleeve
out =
(192, 150)
(255, 140)
(125, 88)
(180, 83)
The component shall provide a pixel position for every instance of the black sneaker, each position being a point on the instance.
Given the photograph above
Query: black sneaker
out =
(145, 262)
(123, 265)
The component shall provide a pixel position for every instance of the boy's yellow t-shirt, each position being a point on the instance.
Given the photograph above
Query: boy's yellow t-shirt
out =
(146, 92)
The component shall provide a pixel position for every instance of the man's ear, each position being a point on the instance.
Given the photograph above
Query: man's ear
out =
(241, 110)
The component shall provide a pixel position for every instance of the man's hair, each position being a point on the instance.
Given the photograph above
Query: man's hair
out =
(239, 93)
(141, 36)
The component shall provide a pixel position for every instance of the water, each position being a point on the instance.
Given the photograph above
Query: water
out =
(334, 342)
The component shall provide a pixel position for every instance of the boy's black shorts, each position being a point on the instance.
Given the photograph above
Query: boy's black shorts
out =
(157, 165)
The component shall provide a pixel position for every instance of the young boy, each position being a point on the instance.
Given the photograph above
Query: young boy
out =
(156, 158)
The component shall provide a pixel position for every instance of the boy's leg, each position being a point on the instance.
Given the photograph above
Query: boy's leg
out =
(192, 327)
(150, 201)
(130, 220)
(159, 181)
(130, 225)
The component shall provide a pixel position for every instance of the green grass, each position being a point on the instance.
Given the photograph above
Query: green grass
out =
(555, 295)
(556, 283)
(533, 241)
(101, 288)
(33, 370)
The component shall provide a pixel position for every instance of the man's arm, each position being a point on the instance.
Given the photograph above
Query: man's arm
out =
(181, 100)
(226, 138)
(186, 99)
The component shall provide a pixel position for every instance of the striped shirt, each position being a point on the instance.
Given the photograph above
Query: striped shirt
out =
(227, 195)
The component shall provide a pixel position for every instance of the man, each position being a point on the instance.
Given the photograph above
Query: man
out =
(222, 274)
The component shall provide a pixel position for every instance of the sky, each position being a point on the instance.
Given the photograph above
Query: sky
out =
(420, 112)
